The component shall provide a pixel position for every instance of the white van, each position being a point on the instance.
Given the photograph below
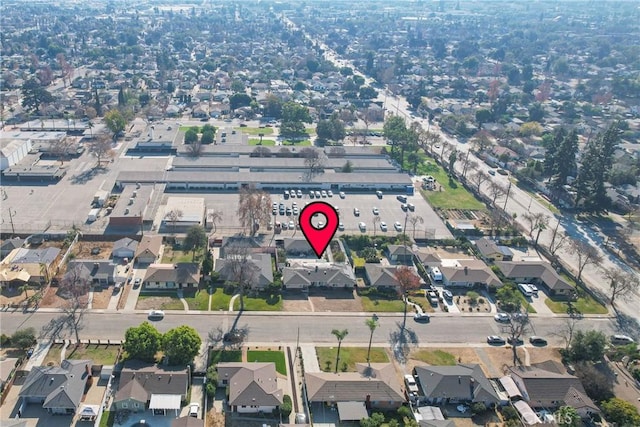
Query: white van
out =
(436, 274)
(525, 289)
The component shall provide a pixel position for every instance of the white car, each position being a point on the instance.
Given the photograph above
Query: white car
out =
(323, 193)
(341, 227)
(362, 226)
(194, 409)
(502, 317)
(291, 225)
(156, 314)
(397, 226)
(299, 194)
(342, 195)
(383, 226)
(375, 211)
(330, 193)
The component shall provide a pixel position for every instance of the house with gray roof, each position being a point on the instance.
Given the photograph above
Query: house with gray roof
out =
(260, 263)
(253, 387)
(59, 389)
(124, 248)
(379, 276)
(490, 251)
(469, 273)
(377, 386)
(148, 250)
(542, 387)
(317, 274)
(182, 275)
(455, 384)
(298, 248)
(9, 245)
(162, 388)
(539, 273)
(400, 254)
(101, 272)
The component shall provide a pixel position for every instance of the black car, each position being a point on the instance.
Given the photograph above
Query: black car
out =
(515, 341)
(537, 340)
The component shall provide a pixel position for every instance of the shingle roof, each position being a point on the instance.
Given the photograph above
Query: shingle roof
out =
(91, 268)
(153, 379)
(464, 382)
(534, 269)
(380, 383)
(470, 274)
(61, 387)
(251, 383)
(262, 263)
(149, 245)
(35, 256)
(184, 272)
(125, 243)
(297, 246)
(305, 275)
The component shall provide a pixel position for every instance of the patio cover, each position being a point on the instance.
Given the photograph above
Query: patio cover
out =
(352, 411)
(89, 411)
(528, 416)
(510, 387)
(165, 401)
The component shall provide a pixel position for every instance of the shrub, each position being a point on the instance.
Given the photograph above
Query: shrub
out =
(404, 411)
(478, 408)
(4, 339)
(473, 297)
(509, 413)
(636, 374)
(287, 406)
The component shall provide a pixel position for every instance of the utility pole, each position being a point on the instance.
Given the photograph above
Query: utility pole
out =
(13, 231)
(507, 198)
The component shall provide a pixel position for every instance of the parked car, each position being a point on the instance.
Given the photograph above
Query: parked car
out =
(356, 212)
(311, 194)
(411, 207)
(404, 207)
(621, 340)
(299, 194)
(446, 294)
(537, 340)
(156, 314)
(397, 226)
(421, 317)
(319, 195)
(117, 288)
(402, 198)
(323, 193)
(495, 339)
(291, 225)
(379, 194)
(492, 172)
(410, 382)
(137, 282)
(432, 296)
(502, 172)
(375, 211)
(383, 226)
(330, 193)
(362, 226)
(341, 227)
(502, 317)
(194, 409)
(342, 195)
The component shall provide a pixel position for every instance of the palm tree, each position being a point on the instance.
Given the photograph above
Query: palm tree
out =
(373, 325)
(24, 289)
(340, 335)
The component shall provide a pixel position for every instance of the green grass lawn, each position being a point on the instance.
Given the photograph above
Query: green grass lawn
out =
(263, 302)
(265, 142)
(303, 143)
(348, 355)
(172, 256)
(100, 354)
(375, 301)
(310, 131)
(199, 300)
(434, 357)
(217, 356)
(585, 305)
(108, 419)
(220, 300)
(453, 194)
(276, 357)
(358, 262)
(173, 302)
(255, 131)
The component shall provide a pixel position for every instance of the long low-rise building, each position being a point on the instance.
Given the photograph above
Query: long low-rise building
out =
(203, 180)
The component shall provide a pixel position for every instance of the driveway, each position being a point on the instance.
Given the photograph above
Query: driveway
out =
(538, 303)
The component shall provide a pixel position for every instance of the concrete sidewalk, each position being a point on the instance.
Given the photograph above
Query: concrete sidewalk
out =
(310, 358)
(39, 353)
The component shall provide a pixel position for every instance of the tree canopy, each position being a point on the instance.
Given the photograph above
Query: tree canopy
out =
(195, 239)
(181, 345)
(621, 412)
(33, 95)
(24, 338)
(142, 342)
(587, 346)
(115, 121)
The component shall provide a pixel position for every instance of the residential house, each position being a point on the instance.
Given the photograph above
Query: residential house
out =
(317, 274)
(539, 273)
(22, 266)
(455, 384)
(378, 276)
(377, 386)
(124, 248)
(298, 248)
(162, 388)
(490, 251)
(253, 387)
(255, 262)
(187, 422)
(100, 272)
(548, 385)
(428, 257)
(400, 254)
(148, 250)
(59, 389)
(469, 273)
(234, 244)
(172, 276)
(9, 245)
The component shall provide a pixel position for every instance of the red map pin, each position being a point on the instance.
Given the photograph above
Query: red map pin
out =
(319, 237)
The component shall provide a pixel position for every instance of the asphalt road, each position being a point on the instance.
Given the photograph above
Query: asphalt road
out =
(313, 328)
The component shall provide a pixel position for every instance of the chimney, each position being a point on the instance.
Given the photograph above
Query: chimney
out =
(466, 270)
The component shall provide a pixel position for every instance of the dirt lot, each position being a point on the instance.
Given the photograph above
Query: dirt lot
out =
(101, 297)
(82, 250)
(451, 253)
(14, 296)
(502, 357)
(52, 299)
(159, 303)
(335, 300)
(295, 302)
(462, 354)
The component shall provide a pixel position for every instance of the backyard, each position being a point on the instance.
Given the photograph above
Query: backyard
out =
(349, 356)
(275, 356)
(173, 255)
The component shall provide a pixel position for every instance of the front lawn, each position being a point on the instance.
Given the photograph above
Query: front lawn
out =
(276, 357)
(255, 131)
(585, 305)
(349, 356)
(303, 143)
(434, 357)
(263, 302)
(159, 301)
(198, 301)
(265, 142)
(220, 300)
(447, 194)
(221, 356)
(378, 301)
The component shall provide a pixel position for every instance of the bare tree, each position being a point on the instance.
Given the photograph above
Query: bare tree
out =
(213, 217)
(101, 147)
(414, 220)
(567, 330)
(74, 287)
(518, 325)
(537, 221)
(240, 269)
(496, 190)
(254, 208)
(314, 160)
(173, 216)
(478, 178)
(61, 149)
(621, 283)
(446, 148)
(431, 139)
(558, 240)
(195, 149)
(586, 254)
